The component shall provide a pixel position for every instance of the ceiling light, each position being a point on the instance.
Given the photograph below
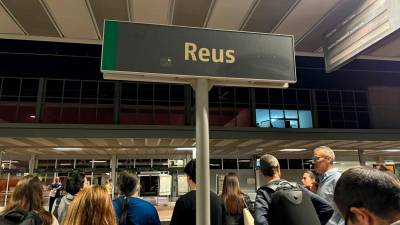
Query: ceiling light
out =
(98, 161)
(67, 149)
(185, 149)
(32, 116)
(293, 150)
(391, 150)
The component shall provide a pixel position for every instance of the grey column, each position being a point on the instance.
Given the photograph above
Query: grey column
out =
(202, 154)
(361, 157)
(32, 162)
(113, 174)
(40, 100)
(117, 102)
(253, 107)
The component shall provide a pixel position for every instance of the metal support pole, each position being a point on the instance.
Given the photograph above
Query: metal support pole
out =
(202, 154)
(32, 164)
(361, 158)
(8, 184)
(114, 163)
(1, 160)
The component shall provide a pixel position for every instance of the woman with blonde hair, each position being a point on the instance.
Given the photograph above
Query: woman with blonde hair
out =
(234, 201)
(92, 206)
(26, 204)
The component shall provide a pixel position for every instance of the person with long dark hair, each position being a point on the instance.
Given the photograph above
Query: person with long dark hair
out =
(129, 208)
(234, 201)
(27, 204)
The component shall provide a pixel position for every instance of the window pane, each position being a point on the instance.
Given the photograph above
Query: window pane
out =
(291, 114)
(262, 118)
(305, 119)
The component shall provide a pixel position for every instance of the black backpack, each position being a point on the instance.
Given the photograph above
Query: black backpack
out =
(291, 205)
(20, 217)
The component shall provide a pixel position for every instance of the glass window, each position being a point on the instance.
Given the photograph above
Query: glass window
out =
(262, 118)
(230, 164)
(295, 164)
(245, 164)
(283, 163)
(215, 164)
(305, 119)
(291, 114)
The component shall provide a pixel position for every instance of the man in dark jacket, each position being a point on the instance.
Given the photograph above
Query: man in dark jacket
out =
(270, 168)
(185, 208)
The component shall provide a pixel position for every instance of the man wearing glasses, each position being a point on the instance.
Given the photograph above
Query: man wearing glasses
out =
(323, 164)
(367, 196)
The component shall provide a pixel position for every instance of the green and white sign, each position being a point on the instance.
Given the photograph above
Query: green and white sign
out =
(139, 51)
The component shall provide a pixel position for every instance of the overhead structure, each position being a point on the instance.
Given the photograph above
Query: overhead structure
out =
(307, 20)
(369, 23)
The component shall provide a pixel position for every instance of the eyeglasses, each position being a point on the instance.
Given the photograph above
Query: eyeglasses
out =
(315, 158)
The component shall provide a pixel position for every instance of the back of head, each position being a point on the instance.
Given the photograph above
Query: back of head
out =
(128, 183)
(232, 195)
(74, 183)
(368, 188)
(92, 206)
(190, 170)
(269, 165)
(27, 196)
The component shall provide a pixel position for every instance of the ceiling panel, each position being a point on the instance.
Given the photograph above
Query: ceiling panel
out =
(390, 48)
(304, 16)
(313, 39)
(229, 14)
(42, 142)
(32, 16)
(78, 24)
(144, 11)
(267, 15)
(106, 9)
(98, 142)
(7, 24)
(152, 141)
(12, 142)
(190, 12)
(71, 142)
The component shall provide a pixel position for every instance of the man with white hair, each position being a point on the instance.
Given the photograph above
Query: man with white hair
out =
(323, 164)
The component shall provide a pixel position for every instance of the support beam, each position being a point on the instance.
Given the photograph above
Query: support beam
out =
(113, 174)
(202, 154)
(32, 163)
(361, 157)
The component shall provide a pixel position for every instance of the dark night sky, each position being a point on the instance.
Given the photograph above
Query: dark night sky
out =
(78, 61)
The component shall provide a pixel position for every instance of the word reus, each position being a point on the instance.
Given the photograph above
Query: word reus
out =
(192, 53)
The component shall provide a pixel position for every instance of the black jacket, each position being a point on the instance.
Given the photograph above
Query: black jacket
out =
(228, 219)
(263, 201)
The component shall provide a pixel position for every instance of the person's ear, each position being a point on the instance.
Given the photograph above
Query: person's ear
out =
(361, 216)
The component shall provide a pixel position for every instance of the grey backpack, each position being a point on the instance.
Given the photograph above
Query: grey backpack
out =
(291, 205)
(20, 217)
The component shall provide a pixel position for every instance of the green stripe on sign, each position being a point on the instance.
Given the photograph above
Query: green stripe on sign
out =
(110, 45)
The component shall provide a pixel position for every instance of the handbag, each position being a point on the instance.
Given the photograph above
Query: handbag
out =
(247, 217)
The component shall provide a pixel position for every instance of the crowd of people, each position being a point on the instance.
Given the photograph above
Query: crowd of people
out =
(359, 196)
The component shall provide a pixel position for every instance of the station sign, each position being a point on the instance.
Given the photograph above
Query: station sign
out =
(175, 54)
(372, 21)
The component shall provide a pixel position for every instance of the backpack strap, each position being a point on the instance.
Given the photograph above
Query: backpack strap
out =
(274, 186)
(57, 205)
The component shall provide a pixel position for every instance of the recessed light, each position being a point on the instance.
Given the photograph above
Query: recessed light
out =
(293, 150)
(67, 149)
(185, 149)
(391, 150)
